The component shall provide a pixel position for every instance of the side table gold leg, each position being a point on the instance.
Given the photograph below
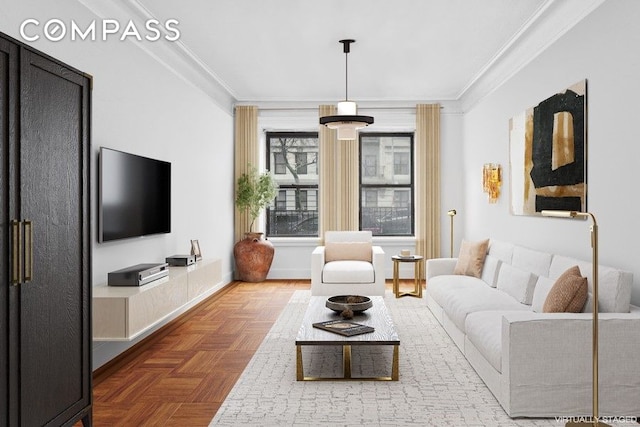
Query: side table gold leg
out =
(346, 361)
(395, 367)
(420, 274)
(396, 278)
(299, 367)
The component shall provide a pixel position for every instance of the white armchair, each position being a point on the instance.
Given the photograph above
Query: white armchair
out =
(348, 264)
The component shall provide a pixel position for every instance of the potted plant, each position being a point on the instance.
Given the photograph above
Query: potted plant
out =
(253, 255)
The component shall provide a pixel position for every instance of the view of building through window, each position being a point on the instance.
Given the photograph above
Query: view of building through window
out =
(386, 183)
(293, 161)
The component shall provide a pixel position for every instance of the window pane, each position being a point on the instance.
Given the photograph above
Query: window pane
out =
(295, 160)
(392, 215)
(386, 159)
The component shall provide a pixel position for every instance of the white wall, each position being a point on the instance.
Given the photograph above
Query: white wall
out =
(603, 48)
(139, 106)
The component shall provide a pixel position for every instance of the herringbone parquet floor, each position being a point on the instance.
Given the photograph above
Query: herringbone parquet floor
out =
(182, 374)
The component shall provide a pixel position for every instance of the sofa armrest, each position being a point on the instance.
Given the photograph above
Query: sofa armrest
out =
(440, 266)
(539, 349)
(317, 264)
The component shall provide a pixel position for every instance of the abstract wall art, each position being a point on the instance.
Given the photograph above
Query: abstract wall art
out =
(547, 156)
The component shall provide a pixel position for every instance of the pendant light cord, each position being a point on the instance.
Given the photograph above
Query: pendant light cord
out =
(346, 76)
(346, 48)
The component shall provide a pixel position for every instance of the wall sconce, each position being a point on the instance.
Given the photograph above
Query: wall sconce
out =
(492, 180)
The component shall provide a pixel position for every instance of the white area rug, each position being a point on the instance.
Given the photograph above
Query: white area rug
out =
(437, 386)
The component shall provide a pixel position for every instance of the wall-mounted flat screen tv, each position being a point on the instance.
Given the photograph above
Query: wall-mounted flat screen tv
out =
(134, 194)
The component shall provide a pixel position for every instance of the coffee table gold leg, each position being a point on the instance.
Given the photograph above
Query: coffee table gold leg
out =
(346, 361)
(299, 367)
(395, 367)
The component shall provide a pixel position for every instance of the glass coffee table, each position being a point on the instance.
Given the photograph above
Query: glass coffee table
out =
(377, 316)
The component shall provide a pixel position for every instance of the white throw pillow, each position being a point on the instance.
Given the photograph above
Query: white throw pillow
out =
(543, 286)
(490, 270)
(517, 283)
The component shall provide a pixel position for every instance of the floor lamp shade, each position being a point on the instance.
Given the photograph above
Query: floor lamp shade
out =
(594, 274)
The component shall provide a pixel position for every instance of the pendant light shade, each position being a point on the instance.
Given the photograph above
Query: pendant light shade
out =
(347, 121)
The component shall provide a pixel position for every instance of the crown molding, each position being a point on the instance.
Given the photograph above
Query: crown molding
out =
(551, 21)
(174, 56)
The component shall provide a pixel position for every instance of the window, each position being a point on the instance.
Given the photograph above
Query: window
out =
(294, 156)
(401, 164)
(370, 165)
(280, 167)
(301, 163)
(281, 200)
(386, 183)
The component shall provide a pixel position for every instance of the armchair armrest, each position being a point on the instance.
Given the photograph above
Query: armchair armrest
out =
(440, 266)
(317, 263)
(377, 259)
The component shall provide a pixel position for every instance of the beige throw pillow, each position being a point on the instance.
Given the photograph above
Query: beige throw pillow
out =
(568, 294)
(471, 258)
(342, 251)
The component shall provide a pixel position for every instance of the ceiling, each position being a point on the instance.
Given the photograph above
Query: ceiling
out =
(405, 50)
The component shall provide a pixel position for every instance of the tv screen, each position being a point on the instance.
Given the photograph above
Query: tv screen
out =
(135, 196)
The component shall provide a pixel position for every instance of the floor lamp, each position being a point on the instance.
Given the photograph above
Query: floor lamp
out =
(594, 261)
(451, 214)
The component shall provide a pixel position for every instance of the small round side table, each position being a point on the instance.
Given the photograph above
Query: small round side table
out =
(418, 262)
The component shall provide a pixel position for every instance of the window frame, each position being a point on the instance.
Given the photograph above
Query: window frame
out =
(269, 135)
(410, 186)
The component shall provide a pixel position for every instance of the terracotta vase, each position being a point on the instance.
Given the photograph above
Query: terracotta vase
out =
(253, 256)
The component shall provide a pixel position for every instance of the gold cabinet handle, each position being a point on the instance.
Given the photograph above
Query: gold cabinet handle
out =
(16, 252)
(28, 250)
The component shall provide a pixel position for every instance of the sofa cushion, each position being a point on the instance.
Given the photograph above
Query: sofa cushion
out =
(614, 286)
(478, 298)
(484, 331)
(568, 294)
(517, 283)
(543, 286)
(471, 258)
(535, 262)
(490, 270)
(502, 250)
(348, 272)
(341, 251)
(443, 288)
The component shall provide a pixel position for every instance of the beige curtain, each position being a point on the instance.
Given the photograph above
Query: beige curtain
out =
(339, 181)
(246, 152)
(428, 180)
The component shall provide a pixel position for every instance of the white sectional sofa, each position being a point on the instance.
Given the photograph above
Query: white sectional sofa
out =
(539, 364)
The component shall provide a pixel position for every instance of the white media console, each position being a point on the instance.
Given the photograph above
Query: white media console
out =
(124, 313)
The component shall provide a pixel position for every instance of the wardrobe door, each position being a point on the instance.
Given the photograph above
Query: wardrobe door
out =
(8, 96)
(55, 335)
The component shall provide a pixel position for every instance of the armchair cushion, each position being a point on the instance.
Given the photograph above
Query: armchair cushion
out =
(348, 271)
(341, 251)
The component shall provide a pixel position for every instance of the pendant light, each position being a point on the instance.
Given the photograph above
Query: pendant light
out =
(347, 121)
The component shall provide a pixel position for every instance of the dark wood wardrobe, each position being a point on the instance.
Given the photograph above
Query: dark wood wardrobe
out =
(45, 247)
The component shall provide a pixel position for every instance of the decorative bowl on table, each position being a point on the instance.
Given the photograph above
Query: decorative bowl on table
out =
(355, 303)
